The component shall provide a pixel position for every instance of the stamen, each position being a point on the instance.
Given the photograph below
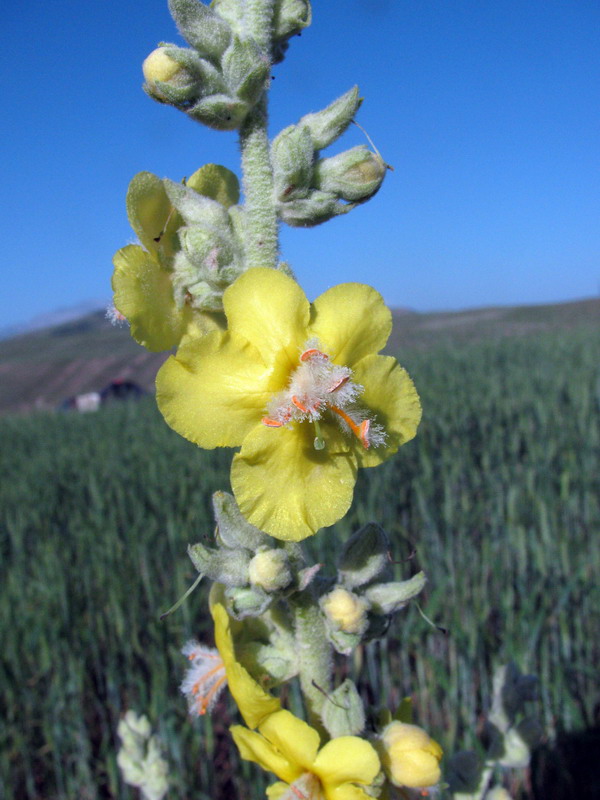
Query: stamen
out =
(299, 405)
(359, 431)
(344, 379)
(271, 423)
(204, 701)
(312, 352)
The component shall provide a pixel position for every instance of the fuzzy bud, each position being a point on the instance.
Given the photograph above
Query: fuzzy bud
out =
(204, 30)
(327, 125)
(169, 79)
(409, 756)
(345, 610)
(220, 112)
(289, 19)
(354, 175)
(245, 602)
(232, 527)
(387, 598)
(343, 713)
(364, 557)
(223, 565)
(270, 570)
(140, 758)
(292, 157)
(318, 207)
(245, 70)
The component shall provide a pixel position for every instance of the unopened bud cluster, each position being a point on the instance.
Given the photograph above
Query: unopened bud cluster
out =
(223, 74)
(140, 757)
(360, 605)
(254, 569)
(309, 189)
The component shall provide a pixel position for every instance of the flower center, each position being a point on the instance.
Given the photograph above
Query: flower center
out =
(318, 387)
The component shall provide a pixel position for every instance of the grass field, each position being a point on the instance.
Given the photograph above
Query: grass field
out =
(499, 493)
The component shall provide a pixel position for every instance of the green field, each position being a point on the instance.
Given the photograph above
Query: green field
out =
(499, 494)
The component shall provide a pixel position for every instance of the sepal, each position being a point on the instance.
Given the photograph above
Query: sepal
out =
(329, 124)
(318, 207)
(354, 175)
(292, 158)
(387, 598)
(364, 556)
(224, 565)
(246, 601)
(245, 70)
(220, 112)
(204, 30)
(343, 712)
(233, 530)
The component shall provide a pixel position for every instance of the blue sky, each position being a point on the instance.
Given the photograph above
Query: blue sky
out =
(488, 110)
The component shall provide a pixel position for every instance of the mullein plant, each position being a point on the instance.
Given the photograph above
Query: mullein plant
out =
(299, 388)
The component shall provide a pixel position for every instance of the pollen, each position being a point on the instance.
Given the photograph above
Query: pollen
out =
(205, 678)
(318, 389)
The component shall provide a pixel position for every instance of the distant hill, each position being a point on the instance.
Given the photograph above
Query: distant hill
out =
(38, 370)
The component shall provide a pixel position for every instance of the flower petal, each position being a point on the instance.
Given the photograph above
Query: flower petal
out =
(254, 747)
(351, 320)
(276, 790)
(252, 700)
(285, 487)
(293, 738)
(347, 791)
(144, 295)
(347, 759)
(214, 390)
(391, 395)
(270, 310)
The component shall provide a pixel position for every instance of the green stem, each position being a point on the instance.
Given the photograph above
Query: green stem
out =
(262, 246)
(314, 652)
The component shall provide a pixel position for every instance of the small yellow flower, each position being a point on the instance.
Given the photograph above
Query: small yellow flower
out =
(290, 748)
(409, 756)
(254, 703)
(301, 389)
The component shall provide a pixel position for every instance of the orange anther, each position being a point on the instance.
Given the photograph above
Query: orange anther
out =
(364, 432)
(311, 353)
(271, 423)
(298, 404)
(337, 385)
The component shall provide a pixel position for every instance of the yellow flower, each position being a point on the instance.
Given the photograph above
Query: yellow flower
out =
(301, 389)
(254, 703)
(289, 747)
(409, 756)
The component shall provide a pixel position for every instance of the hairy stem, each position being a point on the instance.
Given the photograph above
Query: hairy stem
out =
(262, 245)
(314, 653)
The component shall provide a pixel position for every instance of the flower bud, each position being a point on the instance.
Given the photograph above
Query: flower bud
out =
(245, 70)
(354, 175)
(178, 76)
(292, 157)
(270, 570)
(345, 610)
(409, 756)
(220, 112)
(364, 556)
(318, 207)
(327, 125)
(245, 602)
(290, 18)
(223, 565)
(233, 529)
(343, 713)
(387, 598)
(204, 30)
